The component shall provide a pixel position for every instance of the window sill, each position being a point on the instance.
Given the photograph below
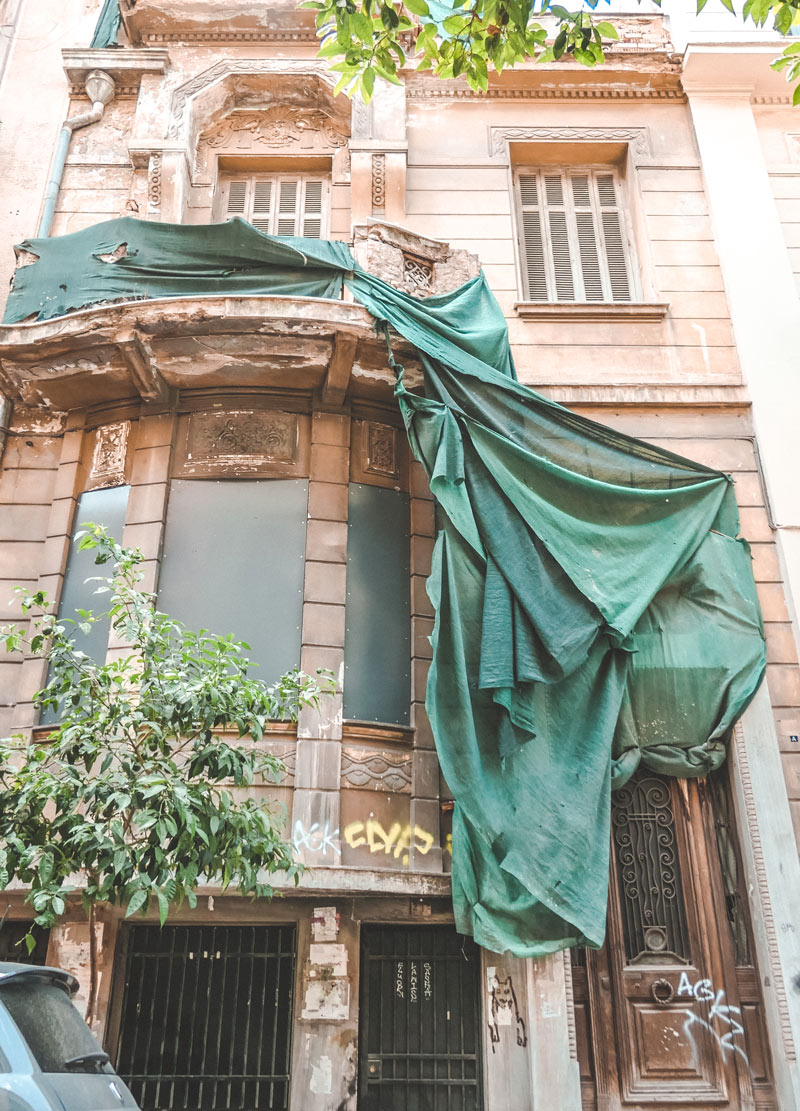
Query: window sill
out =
(591, 310)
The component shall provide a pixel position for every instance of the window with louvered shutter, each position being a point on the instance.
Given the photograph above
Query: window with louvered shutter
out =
(572, 236)
(279, 204)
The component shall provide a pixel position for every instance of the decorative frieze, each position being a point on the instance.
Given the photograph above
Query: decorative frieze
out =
(109, 455)
(373, 770)
(278, 128)
(417, 275)
(241, 441)
(154, 184)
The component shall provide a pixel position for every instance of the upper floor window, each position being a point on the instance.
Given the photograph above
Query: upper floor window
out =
(573, 240)
(279, 204)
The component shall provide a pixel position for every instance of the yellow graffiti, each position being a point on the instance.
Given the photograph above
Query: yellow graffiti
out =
(397, 840)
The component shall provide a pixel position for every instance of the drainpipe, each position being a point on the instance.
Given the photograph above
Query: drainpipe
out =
(100, 89)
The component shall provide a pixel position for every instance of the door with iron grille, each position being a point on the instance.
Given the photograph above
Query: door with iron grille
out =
(669, 1011)
(205, 1017)
(419, 1025)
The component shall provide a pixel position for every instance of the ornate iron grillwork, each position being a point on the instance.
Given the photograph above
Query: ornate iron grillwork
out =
(648, 868)
(207, 1017)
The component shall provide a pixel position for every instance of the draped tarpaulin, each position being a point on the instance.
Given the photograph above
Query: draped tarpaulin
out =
(106, 33)
(593, 607)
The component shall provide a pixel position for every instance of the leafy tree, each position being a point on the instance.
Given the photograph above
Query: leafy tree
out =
(136, 796)
(369, 39)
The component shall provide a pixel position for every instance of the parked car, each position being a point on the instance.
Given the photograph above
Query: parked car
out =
(49, 1058)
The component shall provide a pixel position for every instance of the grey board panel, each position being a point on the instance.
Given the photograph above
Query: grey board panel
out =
(98, 507)
(377, 646)
(233, 563)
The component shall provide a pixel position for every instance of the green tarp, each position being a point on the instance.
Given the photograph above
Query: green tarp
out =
(106, 32)
(594, 608)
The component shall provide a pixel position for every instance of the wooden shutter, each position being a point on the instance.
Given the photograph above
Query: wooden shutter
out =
(313, 199)
(237, 199)
(532, 238)
(587, 238)
(261, 208)
(558, 227)
(614, 238)
(572, 236)
(279, 204)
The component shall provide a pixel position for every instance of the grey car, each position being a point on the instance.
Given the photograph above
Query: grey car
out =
(49, 1059)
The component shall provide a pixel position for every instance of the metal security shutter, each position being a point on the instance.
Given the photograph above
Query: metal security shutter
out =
(279, 204)
(206, 1017)
(572, 236)
(420, 1020)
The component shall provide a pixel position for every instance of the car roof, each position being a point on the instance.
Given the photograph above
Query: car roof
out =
(11, 970)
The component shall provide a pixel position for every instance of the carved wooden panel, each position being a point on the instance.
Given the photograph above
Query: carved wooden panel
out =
(251, 442)
(378, 455)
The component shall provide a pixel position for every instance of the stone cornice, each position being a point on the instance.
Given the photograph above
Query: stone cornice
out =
(126, 65)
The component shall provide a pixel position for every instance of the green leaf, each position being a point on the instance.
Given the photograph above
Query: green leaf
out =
(796, 96)
(138, 900)
(608, 31)
(163, 906)
(417, 7)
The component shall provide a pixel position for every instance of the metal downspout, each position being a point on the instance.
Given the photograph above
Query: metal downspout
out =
(100, 89)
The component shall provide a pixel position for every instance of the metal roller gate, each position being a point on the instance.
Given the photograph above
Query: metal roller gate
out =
(206, 1017)
(419, 1027)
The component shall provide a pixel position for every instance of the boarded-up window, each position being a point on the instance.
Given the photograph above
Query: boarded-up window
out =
(279, 204)
(573, 239)
(377, 646)
(233, 563)
(99, 507)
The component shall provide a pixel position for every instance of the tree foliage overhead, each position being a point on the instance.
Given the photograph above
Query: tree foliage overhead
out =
(136, 796)
(368, 39)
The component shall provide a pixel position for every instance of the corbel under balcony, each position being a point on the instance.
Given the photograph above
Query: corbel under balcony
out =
(151, 349)
(127, 66)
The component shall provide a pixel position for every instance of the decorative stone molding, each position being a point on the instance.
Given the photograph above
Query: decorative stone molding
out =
(378, 184)
(109, 455)
(501, 137)
(154, 184)
(404, 259)
(376, 771)
(764, 898)
(422, 87)
(570, 997)
(287, 754)
(238, 67)
(242, 441)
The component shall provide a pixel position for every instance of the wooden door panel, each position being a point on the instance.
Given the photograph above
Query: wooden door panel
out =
(671, 1019)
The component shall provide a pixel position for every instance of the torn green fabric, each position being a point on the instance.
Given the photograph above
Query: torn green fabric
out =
(594, 609)
(106, 32)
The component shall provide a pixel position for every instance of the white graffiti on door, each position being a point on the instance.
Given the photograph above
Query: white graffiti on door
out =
(726, 1015)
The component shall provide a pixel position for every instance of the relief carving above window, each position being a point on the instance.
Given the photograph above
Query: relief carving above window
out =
(278, 128)
(242, 441)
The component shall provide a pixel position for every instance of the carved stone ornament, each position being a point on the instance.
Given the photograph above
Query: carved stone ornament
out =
(378, 183)
(376, 771)
(110, 452)
(154, 170)
(417, 275)
(278, 128)
(381, 450)
(241, 437)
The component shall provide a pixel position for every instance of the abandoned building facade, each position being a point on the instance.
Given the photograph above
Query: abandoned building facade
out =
(640, 226)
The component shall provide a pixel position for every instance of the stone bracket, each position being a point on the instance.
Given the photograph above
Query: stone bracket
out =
(138, 358)
(337, 377)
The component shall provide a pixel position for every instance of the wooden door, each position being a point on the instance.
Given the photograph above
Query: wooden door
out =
(668, 1013)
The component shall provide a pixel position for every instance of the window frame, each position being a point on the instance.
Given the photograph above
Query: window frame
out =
(567, 170)
(277, 176)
